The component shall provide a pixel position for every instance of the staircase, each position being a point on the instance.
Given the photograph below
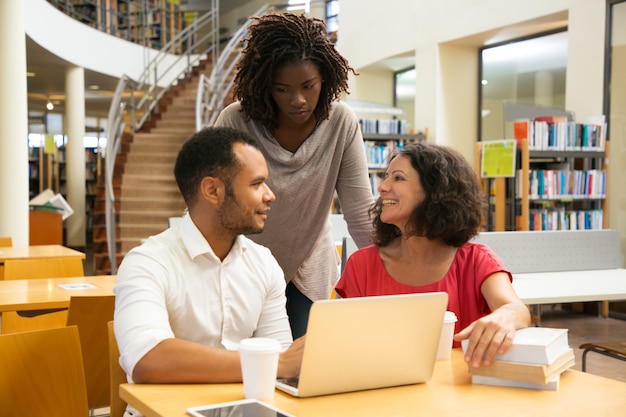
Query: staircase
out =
(146, 194)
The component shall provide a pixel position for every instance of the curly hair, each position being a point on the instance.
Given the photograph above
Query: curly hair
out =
(279, 39)
(208, 153)
(454, 204)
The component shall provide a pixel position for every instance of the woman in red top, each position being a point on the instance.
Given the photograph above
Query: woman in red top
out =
(430, 206)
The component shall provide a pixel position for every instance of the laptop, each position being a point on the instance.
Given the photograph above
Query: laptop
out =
(365, 343)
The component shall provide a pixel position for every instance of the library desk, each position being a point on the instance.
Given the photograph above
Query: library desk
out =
(36, 252)
(45, 293)
(571, 286)
(448, 393)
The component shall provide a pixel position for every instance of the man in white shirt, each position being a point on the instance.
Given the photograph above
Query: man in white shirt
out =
(186, 297)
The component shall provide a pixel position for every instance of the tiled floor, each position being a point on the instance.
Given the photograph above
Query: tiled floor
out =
(587, 328)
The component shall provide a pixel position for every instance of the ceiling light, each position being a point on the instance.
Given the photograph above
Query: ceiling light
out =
(93, 87)
(30, 74)
(49, 105)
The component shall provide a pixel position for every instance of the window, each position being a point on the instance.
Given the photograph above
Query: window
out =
(529, 71)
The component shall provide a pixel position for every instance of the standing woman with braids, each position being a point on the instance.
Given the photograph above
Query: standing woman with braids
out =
(288, 86)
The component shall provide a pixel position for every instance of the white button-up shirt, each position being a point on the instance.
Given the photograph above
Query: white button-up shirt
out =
(174, 285)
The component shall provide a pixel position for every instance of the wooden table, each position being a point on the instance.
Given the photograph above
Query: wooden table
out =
(448, 393)
(45, 293)
(36, 252)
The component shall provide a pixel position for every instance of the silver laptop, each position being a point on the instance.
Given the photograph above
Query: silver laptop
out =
(364, 343)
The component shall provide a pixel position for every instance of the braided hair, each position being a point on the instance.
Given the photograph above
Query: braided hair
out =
(276, 40)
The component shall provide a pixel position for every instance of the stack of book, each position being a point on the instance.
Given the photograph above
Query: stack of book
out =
(537, 358)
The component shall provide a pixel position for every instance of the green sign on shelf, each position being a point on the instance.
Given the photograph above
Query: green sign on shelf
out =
(498, 158)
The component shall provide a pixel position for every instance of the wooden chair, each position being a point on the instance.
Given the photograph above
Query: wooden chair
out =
(91, 315)
(4, 242)
(42, 374)
(117, 375)
(45, 228)
(615, 349)
(12, 321)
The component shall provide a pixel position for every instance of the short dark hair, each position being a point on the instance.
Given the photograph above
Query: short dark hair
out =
(208, 153)
(454, 199)
(276, 40)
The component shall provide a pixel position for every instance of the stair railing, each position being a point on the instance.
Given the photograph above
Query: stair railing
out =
(136, 101)
(212, 91)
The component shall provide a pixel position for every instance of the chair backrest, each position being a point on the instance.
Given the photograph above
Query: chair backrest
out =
(43, 268)
(117, 375)
(91, 314)
(42, 374)
(555, 250)
(348, 247)
(45, 228)
(338, 227)
(4, 242)
(33, 269)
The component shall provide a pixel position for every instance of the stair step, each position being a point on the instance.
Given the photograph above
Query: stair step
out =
(160, 204)
(146, 169)
(149, 180)
(175, 124)
(150, 193)
(143, 146)
(151, 217)
(129, 243)
(161, 136)
(151, 158)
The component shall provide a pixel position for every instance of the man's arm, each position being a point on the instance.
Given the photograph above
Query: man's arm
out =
(181, 361)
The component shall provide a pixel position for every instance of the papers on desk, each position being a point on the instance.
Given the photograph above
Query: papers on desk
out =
(536, 360)
(77, 286)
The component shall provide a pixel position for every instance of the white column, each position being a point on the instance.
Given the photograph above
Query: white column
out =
(13, 124)
(75, 155)
(457, 99)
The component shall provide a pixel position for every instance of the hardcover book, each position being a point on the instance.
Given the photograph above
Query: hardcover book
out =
(552, 385)
(534, 345)
(525, 372)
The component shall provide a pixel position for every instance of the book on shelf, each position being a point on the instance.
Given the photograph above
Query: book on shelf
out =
(527, 372)
(557, 133)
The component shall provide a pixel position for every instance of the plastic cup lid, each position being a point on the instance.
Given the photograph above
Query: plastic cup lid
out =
(449, 317)
(260, 344)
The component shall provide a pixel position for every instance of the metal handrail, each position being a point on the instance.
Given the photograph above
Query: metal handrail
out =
(135, 101)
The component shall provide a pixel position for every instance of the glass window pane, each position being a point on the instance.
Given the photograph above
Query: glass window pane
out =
(530, 71)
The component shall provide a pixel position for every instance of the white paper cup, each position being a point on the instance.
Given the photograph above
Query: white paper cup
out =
(447, 332)
(259, 365)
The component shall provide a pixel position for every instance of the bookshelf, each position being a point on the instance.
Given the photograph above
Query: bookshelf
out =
(560, 181)
(48, 171)
(378, 148)
(151, 23)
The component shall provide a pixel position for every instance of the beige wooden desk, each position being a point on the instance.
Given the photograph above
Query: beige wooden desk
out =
(45, 293)
(448, 393)
(36, 252)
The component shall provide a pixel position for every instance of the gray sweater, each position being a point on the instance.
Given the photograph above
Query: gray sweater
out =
(298, 229)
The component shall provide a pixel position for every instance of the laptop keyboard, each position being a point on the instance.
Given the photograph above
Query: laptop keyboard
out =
(289, 381)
